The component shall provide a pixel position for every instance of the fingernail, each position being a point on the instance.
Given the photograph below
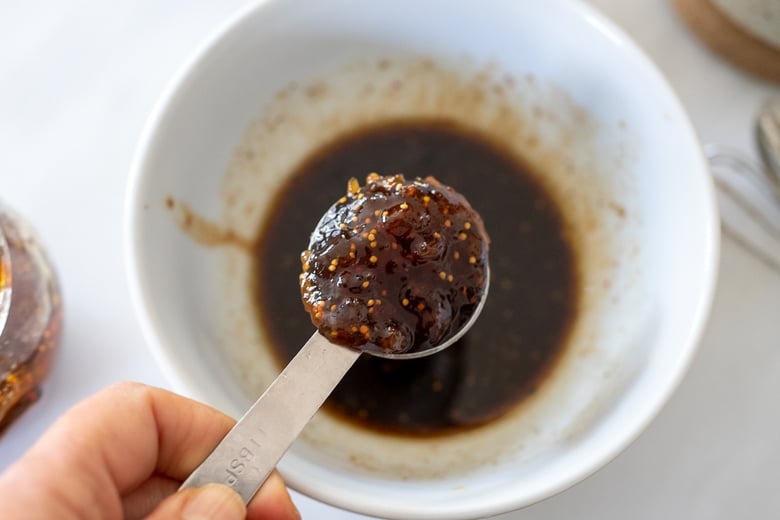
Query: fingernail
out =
(214, 502)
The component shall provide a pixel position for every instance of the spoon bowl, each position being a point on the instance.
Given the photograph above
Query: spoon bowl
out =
(452, 339)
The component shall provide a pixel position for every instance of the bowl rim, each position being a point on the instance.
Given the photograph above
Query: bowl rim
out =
(479, 508)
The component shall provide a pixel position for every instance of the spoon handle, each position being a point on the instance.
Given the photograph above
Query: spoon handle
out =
(249, 452)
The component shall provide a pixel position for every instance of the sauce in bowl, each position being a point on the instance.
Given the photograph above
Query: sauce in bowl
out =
(527, 317)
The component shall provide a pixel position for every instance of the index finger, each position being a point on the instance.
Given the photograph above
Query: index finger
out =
(137, 430)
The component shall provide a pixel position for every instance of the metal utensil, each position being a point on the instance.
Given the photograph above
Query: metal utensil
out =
(768, 137)
(249, 452)
(729, 165)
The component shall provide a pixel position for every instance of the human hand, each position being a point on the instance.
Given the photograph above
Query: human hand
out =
(123, 453)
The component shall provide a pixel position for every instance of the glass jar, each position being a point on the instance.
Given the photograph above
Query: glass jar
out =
(30, 316)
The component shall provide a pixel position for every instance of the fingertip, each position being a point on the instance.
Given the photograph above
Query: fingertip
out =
(209, 502)
(273, 500)
(214, 502)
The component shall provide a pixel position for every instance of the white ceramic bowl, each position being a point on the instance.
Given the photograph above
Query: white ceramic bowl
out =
(584, 106)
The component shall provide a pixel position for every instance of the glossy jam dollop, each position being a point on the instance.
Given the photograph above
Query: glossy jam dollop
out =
(395, 266)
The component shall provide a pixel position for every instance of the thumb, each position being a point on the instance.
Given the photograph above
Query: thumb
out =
(212, 502)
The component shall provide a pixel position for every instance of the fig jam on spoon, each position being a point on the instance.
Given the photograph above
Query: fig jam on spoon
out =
(395, 268)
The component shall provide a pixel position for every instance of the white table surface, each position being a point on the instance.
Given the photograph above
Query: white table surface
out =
(77, 81)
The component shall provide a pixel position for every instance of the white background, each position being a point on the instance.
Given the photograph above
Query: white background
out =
(77, 81)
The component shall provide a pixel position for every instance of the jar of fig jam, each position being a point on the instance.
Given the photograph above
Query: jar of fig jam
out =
(30, 316)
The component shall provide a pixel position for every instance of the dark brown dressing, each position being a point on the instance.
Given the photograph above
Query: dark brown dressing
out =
(529, 311)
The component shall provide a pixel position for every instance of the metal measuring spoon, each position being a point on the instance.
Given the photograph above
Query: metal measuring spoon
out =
(247, 455)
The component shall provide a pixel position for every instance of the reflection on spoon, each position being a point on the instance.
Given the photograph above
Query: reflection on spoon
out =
(396, 269)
